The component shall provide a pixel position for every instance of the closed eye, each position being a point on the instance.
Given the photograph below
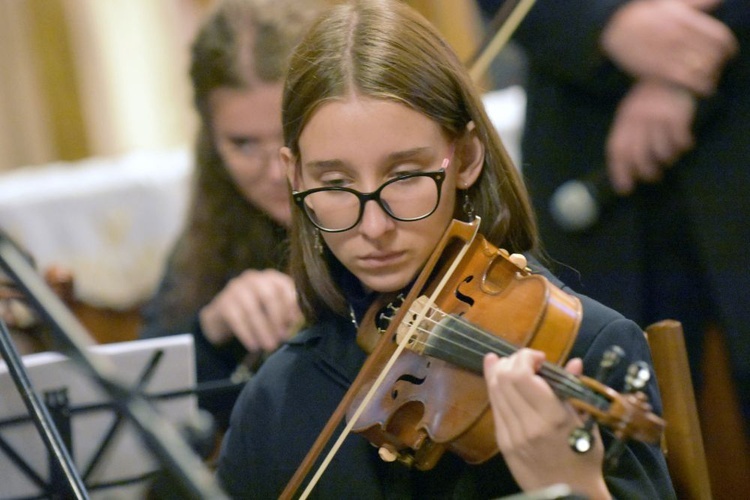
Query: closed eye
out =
(335, 182)
(244, 142)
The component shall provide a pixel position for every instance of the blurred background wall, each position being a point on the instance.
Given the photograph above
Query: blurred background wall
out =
(82, 78)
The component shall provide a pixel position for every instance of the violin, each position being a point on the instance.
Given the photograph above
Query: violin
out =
(421, 391)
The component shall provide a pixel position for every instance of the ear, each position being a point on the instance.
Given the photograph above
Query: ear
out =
(471, 155)
(290, 165)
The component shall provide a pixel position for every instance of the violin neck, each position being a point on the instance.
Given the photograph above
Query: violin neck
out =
(460, 343)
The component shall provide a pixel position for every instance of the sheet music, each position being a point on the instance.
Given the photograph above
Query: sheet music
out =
(126, 457)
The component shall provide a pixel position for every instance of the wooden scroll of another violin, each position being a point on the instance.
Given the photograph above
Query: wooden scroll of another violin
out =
(421, 391)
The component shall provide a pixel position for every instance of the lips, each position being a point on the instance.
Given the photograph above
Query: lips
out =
(381, 259)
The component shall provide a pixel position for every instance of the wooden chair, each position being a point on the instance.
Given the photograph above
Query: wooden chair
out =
(683, 442)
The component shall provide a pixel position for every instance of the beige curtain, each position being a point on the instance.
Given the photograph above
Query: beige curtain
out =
(131, 57)
(83, 78)
(25, 135)
(458, 20)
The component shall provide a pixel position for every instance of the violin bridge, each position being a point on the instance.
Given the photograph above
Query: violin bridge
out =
(417, 324)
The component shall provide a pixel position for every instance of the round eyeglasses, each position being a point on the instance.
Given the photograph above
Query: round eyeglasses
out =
(406, 198)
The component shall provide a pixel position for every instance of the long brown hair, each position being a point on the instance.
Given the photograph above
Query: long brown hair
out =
(242, 43)
(386, 50)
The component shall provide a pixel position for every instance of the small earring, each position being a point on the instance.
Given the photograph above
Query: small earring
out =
(468, 206)
(318, 244)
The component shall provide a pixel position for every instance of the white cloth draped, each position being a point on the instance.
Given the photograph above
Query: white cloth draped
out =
(111, 221)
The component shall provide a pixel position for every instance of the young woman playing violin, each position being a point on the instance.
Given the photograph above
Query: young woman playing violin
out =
(387, 143)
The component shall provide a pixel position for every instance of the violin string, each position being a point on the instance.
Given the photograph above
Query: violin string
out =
(562, 379)
(558, 377)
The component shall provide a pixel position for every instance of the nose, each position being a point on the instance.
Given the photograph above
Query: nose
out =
(375, 222)
(276, 169)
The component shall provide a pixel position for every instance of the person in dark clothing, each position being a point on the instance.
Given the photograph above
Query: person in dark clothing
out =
(651, 98)
(377, 108)
(225, 280)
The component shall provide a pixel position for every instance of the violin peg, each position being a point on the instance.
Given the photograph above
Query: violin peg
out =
(581, 439)
(612, 357)
(637, 376)
(519, 260)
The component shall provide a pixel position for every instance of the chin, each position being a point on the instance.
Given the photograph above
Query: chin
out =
(385, 284)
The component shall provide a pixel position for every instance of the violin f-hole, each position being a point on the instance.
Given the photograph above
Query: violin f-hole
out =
(466, 299)
(411, 379)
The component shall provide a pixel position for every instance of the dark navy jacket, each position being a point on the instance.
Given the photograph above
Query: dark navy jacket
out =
(284, 407)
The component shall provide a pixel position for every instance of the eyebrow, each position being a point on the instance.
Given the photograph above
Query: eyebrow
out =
(392, 157)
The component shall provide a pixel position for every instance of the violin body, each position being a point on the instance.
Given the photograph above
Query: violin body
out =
(434, 397)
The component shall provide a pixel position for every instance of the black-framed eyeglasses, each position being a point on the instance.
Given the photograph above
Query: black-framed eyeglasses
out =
(409, 197)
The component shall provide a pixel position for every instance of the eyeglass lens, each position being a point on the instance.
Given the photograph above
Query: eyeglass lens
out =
(407, 198)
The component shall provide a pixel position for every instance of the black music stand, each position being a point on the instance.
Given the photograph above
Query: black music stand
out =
(184, 468)
(104, 448)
